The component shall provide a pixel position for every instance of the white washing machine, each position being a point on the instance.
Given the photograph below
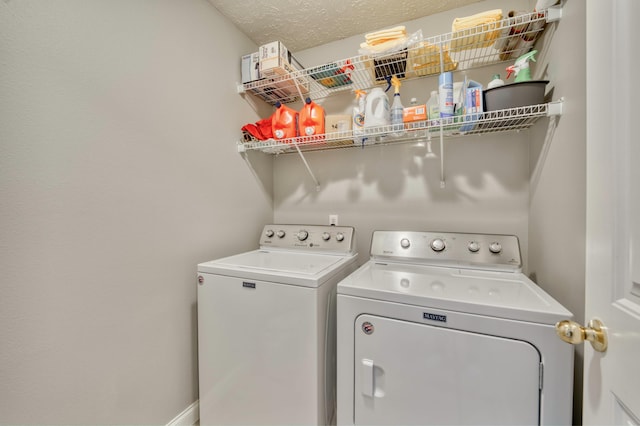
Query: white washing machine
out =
(443, 328)
(266, 328)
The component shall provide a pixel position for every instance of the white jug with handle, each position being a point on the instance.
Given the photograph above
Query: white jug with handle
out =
(377, 109)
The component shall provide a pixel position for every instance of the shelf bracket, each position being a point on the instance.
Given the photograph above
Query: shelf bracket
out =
(240, 88)
(304, 160)
(554, 13)
(555, 107)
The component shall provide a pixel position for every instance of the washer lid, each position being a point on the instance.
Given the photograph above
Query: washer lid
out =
(287, 267)
(508, 295)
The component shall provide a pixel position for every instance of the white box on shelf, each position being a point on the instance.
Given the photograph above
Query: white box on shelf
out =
(251, 67)
(274, 59)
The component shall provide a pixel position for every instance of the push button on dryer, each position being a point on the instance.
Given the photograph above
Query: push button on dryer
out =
(437, 244)
(495, 247)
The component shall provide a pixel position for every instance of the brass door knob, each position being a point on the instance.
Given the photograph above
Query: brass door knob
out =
(574, 333)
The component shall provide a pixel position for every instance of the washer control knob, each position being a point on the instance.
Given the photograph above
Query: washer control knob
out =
(280, 234)
(326, 236)
(340, 236)
(495, 247)
(405, 243)
(269, 233)
(437, 244)
(474, 247)
(302, 235)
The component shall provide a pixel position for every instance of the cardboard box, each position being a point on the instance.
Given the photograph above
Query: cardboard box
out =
(473, 105)
(414, 113)
(337, 123)
(274, 59)
(251, 67)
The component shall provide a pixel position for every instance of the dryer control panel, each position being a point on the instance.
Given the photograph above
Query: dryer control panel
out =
(315, 238)
(478, 251)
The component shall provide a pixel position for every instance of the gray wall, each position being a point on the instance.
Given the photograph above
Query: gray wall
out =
(118, 174)
(557, 216)
(511, 183)
(397, 186)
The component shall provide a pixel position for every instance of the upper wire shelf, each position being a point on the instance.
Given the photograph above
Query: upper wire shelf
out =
(455, 51)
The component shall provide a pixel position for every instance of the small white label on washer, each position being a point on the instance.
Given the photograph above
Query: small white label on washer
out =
(434, 317)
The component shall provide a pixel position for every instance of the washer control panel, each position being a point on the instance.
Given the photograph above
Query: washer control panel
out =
(479, 251)
(337, 239)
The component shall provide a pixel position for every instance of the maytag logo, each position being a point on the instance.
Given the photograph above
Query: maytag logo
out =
(434, 317)
(248, 285)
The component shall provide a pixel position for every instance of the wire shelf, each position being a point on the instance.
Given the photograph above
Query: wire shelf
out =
(479, 123)
(461, 50)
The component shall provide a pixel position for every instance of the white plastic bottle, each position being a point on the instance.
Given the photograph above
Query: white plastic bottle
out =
(376, 111)
(495, 82)
(358, 116)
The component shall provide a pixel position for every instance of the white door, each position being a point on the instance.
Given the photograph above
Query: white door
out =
(612, 378)
(417, 374)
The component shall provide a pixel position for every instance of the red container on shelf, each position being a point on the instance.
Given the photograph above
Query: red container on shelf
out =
(311, 120)
(284, 122)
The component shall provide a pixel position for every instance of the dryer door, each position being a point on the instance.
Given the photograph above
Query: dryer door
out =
(408, 373)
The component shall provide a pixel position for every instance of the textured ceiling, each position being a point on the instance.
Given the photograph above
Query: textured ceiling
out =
(301, 24)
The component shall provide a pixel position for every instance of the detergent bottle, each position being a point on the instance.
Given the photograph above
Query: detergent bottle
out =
(396, 108)
(311, 119)
(376, 111)
(358, 115)
(521, 67)
(284, 122)
(496, 81)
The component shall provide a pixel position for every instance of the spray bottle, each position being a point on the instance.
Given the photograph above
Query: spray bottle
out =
(397, 109)
(521, 67)
(358, 115)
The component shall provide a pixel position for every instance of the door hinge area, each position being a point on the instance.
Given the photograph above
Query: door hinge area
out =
(540, 375)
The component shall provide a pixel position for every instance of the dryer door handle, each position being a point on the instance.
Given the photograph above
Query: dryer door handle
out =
(368, 383)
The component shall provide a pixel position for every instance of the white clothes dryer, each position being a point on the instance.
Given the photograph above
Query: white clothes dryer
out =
(444, 328)
(266, 328)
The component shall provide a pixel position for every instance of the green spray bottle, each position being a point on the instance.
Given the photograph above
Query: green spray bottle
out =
(521, 67)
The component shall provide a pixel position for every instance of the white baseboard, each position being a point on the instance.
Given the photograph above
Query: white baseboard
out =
(190, 416)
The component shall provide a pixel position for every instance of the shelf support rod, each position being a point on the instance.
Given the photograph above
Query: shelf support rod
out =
(304, 160)
(295, 81)
(442, 183)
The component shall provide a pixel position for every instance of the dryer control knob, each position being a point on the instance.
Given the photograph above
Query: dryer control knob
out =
(326, 236)
(474, 247)
(280, 234)
(303, 235)
(405, 243)
(340, 236)
(495, 247)
(269, 233)
(437, 244)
